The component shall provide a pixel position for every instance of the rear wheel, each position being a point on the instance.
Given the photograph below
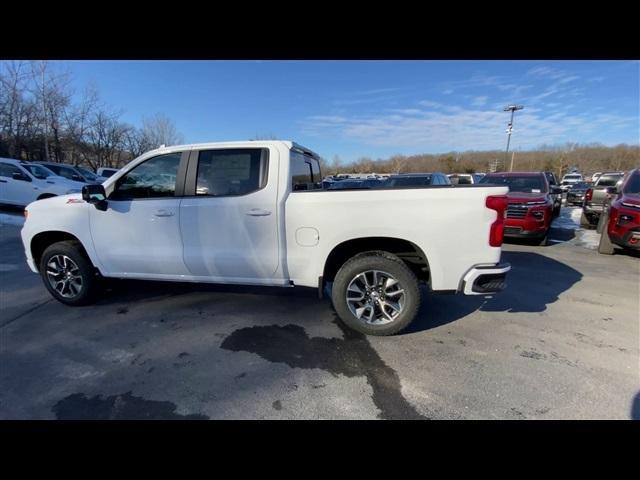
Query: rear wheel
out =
(68, 273)
(375, 293)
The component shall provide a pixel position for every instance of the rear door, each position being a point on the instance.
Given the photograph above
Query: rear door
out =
(229, 216)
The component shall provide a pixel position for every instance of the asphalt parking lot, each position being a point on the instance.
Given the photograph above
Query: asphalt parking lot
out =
(561, 342)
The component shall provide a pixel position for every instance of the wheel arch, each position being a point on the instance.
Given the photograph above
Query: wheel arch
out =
(42, 240)
(412, 255)
(46, 195)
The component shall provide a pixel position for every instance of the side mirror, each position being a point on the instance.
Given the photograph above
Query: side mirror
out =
(612, 190)
(77, 178)
(556, 190)
(21, 176)
(95, 195)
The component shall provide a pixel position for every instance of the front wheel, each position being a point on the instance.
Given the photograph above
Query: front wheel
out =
(375, 293)
(68, 274)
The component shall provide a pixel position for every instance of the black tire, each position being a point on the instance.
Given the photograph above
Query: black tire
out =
(87, 272)
(605, 246)
(385, 262)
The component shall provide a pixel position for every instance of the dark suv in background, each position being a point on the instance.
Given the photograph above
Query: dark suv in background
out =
(575, 194)
(557, 197)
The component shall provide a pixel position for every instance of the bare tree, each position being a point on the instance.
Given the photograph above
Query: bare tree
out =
(160, 130)
(397, 162)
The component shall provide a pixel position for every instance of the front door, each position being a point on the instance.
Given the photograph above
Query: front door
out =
(139, 232)
(229, 217)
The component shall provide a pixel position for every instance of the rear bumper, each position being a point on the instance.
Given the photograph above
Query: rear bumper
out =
(485, 280)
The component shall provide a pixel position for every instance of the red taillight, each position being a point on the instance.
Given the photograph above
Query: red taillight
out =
(499, 204)
(26, 213)
(588, 195)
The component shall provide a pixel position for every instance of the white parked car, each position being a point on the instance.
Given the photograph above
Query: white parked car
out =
(569, 179)
(22, 183)
(256, 213)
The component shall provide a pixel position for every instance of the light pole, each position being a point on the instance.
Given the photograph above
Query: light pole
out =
(512, 109)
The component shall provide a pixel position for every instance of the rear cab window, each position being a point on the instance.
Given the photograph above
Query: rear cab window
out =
(304, 172)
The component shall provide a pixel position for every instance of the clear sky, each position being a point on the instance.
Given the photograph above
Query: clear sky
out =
(378, 108)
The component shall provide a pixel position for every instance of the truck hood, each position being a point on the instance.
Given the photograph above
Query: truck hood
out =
(631, 199)
(526, 197)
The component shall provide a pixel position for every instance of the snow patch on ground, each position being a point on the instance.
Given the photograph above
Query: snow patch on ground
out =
(9, 219)
(588, 239)
(569, 219)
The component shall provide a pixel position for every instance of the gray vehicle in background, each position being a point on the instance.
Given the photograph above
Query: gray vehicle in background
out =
(596, 196)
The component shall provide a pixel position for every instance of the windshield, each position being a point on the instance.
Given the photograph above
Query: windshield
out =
(87, 174)
(608, 180)
(633, 184)
(38, 171)
(525, 183)
(572, 177)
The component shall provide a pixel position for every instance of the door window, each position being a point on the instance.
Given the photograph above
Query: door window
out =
(7, 170)
(305, 172)
(231, 172)
(154, 178)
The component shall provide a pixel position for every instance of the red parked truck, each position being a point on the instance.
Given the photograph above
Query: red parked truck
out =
(530, 209)
(621, 220)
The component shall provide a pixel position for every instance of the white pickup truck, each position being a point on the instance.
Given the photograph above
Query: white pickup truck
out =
(255, 213)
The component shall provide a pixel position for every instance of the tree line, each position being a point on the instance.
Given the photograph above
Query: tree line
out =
(587, 159)
(42, 119)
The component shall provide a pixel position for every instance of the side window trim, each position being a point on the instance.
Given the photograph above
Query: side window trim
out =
(179, 186)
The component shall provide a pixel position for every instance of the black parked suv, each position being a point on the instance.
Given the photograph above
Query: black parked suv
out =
(556, 197)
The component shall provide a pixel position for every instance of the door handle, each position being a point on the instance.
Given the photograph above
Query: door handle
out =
(3, 181)
(164, 213)
(257, 212)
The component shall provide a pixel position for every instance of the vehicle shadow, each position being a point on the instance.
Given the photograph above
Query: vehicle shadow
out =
(534, 282)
